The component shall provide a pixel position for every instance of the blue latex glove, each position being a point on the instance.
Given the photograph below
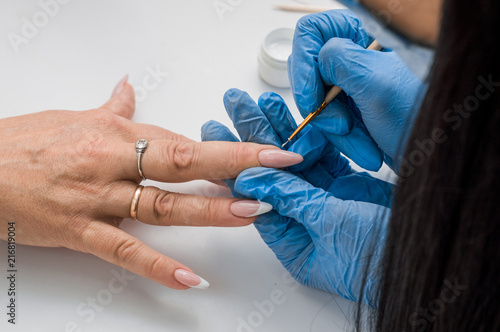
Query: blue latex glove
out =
(371, 120)
(328, 218)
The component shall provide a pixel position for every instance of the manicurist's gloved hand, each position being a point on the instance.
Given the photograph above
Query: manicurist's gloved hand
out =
(329, 220)
(371, 119)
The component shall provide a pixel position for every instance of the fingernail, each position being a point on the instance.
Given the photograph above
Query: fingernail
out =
(119, 86)
(190, 279)
(249, 208)
(279, 158)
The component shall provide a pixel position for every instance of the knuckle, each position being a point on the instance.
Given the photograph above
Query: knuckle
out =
(182, 155)
(90, 152)
(75, 234)
(209, 206)
(125, 249)
(239, 159)
(155, 267)
(164, 205)
(103, 118)
(305, 23)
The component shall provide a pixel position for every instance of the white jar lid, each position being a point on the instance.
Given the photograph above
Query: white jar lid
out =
(273, 57)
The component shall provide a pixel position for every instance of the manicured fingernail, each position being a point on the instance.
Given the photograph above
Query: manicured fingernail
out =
(279, 158)
(249, 208)
(190, 279)
(119, 86)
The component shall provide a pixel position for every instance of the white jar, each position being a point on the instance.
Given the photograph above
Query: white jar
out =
(273, 57)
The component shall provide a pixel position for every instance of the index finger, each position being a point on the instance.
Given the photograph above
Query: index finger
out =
(311, 33)
(181, 161)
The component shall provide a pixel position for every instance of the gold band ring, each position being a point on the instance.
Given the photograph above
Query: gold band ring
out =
(135, 202)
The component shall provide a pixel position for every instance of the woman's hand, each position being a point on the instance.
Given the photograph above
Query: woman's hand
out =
(68, 179)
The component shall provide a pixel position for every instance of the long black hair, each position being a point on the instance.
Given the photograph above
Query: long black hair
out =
(441, 267)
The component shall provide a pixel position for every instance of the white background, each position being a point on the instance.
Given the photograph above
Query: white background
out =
(73, 62)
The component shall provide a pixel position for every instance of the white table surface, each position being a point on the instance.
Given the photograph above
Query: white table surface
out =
(73, 62)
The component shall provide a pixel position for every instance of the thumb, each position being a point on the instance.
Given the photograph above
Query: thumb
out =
(122, 100)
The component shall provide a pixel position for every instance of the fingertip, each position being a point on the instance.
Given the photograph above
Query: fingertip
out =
(249, 208)
(276, 158)
(128, 94)
(119, 86)
(234, 100)
(122, 101)
(128, 91)
(216, 131)
(208, 128)
(271, 100)
(231, 94)
(190, 280)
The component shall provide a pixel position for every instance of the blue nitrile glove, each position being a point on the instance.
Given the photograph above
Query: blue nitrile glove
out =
(335, 260)
(372, 118)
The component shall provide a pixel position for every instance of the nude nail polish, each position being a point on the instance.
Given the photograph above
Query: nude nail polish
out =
(190, 279)
(119, 86)
(279, 158)
(248, 208)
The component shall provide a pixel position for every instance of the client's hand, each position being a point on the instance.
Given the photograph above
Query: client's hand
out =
(329, 220)
(68, 179)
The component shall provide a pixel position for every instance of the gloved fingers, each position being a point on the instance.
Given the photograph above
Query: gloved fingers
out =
(325, 217)
(216, 131)
(359, 146)
(272, 109)
(335, 176)
(311, 33)
(333, 162)
(318, 176)
(252, 125)
(336, 118)
(278, 115)
(284, 236)
(287, 238)
(322, 160)
(311, 145)
(295, 198)
(362, 187)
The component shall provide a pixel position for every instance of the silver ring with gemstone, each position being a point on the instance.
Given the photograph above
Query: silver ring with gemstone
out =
(140, 147)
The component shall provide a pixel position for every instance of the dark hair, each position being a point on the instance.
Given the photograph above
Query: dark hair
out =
(441, 266)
